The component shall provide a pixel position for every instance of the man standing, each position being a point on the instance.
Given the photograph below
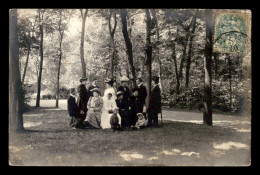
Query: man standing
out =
(92, 86)
(142, 94)
(154, 106)
(82, 101)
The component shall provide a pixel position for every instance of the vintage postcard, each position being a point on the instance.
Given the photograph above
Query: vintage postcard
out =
(130, 87)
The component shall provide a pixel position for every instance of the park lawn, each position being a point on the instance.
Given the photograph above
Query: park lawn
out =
(50, 141)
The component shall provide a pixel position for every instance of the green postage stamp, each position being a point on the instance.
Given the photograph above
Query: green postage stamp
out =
(232, 32)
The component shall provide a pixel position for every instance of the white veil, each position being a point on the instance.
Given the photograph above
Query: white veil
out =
(105, 98)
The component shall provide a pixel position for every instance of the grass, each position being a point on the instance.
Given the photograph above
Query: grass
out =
(50, 141)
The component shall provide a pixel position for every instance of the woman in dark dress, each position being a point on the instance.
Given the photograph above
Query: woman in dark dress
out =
(82, 101)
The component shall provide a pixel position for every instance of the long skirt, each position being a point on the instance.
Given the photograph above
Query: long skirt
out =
(125, 116)
(94, 118)
(105, 120)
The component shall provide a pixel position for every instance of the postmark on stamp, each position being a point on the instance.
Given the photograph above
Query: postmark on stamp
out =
(232, 32)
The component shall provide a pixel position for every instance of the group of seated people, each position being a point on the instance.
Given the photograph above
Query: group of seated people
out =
(119, 111)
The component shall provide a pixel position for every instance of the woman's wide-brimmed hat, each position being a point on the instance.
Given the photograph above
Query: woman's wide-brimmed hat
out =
(95, 90)
(124, 78)
(119, 93)
(83, 79)
(109, 80)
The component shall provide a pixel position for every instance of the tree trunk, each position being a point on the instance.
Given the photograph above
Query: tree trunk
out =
(148, 54)
(176, 73)
(230, 83)
(158, 49)
(216, 65)
(207, 116)
(83, 64)
(58, 76)
(183, 59)
(15, 86)
(41, 64)
(190, 50)
(26, 63)
(112, 33)
(128, 43)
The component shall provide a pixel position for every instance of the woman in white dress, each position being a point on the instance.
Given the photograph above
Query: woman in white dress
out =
(109, 104)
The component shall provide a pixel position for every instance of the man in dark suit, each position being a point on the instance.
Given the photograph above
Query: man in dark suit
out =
(154, 106)
(82, 101)
(92, 86)
(72, 107)
(142, 94)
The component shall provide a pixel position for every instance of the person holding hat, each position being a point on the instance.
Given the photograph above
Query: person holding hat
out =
(124, 88)
(154, 106)
(94, 106)
(82, 101)
(123, 109)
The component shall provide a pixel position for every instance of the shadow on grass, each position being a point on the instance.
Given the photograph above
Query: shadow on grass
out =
(173, 143)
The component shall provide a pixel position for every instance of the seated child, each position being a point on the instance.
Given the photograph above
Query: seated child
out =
(114, 121)
(141, 122)
(72, 107)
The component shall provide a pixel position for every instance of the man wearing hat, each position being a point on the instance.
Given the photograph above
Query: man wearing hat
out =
(142, 94)
(154, 106)
(124, 88)
(82, 101)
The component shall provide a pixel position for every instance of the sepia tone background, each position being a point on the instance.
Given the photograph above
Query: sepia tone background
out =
(58, 46)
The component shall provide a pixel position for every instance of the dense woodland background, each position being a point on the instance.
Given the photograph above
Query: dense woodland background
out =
(54, 53)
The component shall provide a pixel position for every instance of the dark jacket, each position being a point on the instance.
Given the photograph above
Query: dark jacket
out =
(142, 93)
(126, 94)
(136, 104)
(82, 100)
(72, 107)
(155, 100)
(122, 105)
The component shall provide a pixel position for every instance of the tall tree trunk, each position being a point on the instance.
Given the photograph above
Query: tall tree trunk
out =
(41, 64)
(216, 65)
(58, 76)
(15, 86)
(26, 63)
(183, 59)
(207, 115)
(190, 50)
(185, 44)
(148, 50)
(230, 82)
(176, 73)
(158, 48)
(83, 64)
(112, 33)
(128, 43)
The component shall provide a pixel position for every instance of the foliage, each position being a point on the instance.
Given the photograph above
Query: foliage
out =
(170, 50)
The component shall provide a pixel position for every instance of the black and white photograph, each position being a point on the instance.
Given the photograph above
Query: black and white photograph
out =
(129, 87)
